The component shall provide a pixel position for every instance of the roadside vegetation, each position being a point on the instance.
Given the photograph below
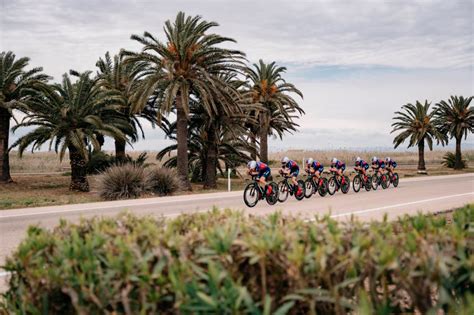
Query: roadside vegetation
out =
(213, 263)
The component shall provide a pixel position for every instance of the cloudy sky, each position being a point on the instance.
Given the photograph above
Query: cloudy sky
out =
(355, 61)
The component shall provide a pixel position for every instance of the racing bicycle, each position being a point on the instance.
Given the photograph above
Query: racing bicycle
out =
(313, 185)
(253, 192)
(360, 181)
(334, 184)
(285, 188)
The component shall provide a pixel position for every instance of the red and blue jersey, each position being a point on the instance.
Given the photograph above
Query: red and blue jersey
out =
(318, 167)
(263, 169)
(362, 164)
(379, 164)
(392, 164)
(339, 165)
(292, 165)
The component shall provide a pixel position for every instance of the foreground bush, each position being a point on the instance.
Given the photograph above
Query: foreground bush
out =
(449, 160)
(122, 182)
(227, 263)
(163, 181)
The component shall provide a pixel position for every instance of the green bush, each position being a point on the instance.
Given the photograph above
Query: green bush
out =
(449, 160)
(122, 182)
(163, 181)
(230, 263)
(98, 162)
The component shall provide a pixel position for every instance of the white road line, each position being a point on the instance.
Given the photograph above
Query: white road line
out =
(396, 205)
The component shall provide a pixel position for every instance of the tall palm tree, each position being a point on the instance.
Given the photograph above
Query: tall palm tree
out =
(70, 116)
(188, 63)
(115, 74)
(269, 88)
(416, 123)
(456, 119)
(14, 81)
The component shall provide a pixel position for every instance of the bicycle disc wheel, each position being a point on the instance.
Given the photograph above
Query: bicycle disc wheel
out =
(356, 182)
(395, 180)
(323, 188)
(375, 182)
(251, 195)
(332, 185)
(273, 197)
(309, 188)
(302, 187)
(367, 184)
(346, 186)
(282, 191)
(384, 181)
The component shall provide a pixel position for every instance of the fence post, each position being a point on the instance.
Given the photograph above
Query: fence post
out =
(228, 179)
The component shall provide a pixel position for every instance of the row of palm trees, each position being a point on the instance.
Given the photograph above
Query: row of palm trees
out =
(420, 125)
(224, 109)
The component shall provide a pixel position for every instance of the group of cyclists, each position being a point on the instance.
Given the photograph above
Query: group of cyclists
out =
(290, 169)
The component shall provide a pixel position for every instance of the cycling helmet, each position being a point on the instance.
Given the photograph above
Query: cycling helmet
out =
(334, 161)
(388, 159)
(374, 159)
(285, 160)
(252, 164)
(309, 161)
(358, 159)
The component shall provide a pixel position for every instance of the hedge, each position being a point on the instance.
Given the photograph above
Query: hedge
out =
(226, 262)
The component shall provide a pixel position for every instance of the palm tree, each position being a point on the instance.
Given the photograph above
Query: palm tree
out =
(70, 116)
(269, 88)
(188, 63)
(416, 123)
(115, 74)
(456, 119)
(14, 81)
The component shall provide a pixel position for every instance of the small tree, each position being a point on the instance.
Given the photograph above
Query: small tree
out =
(455, 118)
(69, 116)
(416, 123)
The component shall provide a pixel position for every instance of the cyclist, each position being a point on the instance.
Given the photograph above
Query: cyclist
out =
(361, 166)
(338, 167)
(314, 168)
(378, 165)
(262, 171)
(290, 167)
(390, 165)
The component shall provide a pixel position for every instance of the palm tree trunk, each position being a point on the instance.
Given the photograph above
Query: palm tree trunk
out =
(421, 157)
(4, 138)
(210, 180)
(78, 171)
(458, 163)
(264, 144)
(253, 141)
(182, 138)
(120, 150)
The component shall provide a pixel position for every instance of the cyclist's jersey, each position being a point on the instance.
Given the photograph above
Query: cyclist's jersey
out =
(339, 165)
(392, 164)
(362, 164)
(293, 167)
(318, 167)
(379, 164)
(263, 170)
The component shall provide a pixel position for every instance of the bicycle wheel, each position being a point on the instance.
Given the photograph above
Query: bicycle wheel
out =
(367, 184)
(375, 182)
(356, 182)
(323, 187)
(302, 193)
(395, 180)
(384, 181)
(251, 195)
(282, 191)
(346, 186)
(332, 185)
(273, 197)
(309, 188)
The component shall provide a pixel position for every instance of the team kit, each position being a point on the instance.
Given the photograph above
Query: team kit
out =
(261, 189)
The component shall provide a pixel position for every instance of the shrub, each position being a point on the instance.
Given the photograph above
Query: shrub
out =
(163, 181)
(231, 263)
(449, 160)
(98, 162)
(122, 182)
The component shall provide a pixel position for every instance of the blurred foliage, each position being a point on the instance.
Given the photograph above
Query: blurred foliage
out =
(227, 262)
(163, 181)
(449, 160)
(100, 161)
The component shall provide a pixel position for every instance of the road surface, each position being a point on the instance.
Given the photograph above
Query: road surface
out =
(427, 194)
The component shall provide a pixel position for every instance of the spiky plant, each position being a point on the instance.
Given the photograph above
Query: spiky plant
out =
(70, 116)
(269, 88)
(187, 63)
(15, 79)
(416, 124)
(455, 118)
(123, 182)
(115, 74)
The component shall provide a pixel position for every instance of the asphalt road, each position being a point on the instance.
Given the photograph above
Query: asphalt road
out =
(428, 194)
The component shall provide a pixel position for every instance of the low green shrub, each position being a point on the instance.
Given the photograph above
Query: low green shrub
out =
(122, 182)
(449, 160)
(229, 263)
(98, 162)
(163, 181)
